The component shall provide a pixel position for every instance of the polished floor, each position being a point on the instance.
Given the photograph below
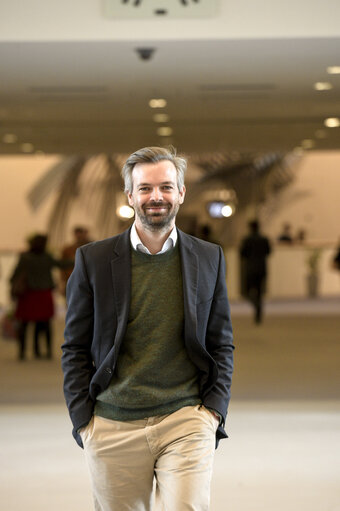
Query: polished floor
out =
(283, 453)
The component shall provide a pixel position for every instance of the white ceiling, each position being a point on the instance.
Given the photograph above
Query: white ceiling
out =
(222, 94)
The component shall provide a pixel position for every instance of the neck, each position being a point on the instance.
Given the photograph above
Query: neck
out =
(153, 240)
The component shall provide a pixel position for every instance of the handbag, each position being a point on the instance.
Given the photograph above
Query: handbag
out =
(9, 326)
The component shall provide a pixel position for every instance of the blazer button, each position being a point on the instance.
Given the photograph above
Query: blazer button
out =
(108, 370)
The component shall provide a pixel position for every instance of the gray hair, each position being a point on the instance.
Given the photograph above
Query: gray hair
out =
(153, 155)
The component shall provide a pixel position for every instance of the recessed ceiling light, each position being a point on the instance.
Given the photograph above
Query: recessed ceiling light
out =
(9, 138)
(332, 122)
(164, 131)
(157, 103)
(307, 143)
(323, 86)
(333, 70)
(27, 147)
(161, 117)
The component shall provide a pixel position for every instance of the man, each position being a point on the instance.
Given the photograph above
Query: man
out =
(148, 350)
(254, 251)
(81, 237)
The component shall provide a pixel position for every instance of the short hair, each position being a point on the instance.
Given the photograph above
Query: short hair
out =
(79, 229)
(254, 226)
(37, 243)
(153, 155)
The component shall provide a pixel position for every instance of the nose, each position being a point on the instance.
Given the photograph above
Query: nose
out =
(156, 194)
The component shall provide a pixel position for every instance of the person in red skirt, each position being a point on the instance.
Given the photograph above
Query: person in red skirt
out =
(32, 285)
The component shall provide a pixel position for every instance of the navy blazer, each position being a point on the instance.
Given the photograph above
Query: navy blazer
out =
(98, 296)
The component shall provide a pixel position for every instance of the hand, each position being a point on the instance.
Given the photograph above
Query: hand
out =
(216, 416)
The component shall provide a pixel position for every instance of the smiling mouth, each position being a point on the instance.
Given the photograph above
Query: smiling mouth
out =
(156, 212)
(159, 208)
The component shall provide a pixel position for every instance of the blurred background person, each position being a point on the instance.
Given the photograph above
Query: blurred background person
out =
(31, 287)
(81, 237)
(254, 251)
(301, 236)
(286, 234)
(205, 233)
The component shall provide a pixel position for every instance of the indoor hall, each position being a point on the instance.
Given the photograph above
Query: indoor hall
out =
(283, 424)
(250, 94)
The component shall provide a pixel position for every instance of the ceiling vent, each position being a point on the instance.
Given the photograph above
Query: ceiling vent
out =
(141, 9)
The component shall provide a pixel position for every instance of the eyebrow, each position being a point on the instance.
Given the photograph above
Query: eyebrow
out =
(164, 183)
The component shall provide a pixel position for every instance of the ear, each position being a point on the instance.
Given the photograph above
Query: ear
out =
(182, 194)
(130, 199)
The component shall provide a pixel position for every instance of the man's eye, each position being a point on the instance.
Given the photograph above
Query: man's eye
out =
(167, 187)
(144, 189)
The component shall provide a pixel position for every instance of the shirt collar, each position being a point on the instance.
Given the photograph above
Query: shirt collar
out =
(137, 244)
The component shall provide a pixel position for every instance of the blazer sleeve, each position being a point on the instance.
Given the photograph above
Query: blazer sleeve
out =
(219, 344)
(76, 358)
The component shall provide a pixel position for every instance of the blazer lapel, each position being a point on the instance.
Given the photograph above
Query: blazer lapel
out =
(189, 262)
(121, 279)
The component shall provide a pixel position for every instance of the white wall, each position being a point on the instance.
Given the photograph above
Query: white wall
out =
(312, 201)
(17, 176)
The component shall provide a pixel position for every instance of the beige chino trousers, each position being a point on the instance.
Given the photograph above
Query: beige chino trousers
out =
(161, 463)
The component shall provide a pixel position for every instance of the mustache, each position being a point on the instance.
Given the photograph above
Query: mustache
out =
(156, 204)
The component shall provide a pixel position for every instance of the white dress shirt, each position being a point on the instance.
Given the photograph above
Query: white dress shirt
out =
(138, 245)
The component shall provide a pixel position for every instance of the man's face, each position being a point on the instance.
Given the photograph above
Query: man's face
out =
(155, 195)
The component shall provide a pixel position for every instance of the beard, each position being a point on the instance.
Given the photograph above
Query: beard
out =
(157, 220)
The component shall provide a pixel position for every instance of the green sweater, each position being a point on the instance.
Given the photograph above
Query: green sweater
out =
(153, 375)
